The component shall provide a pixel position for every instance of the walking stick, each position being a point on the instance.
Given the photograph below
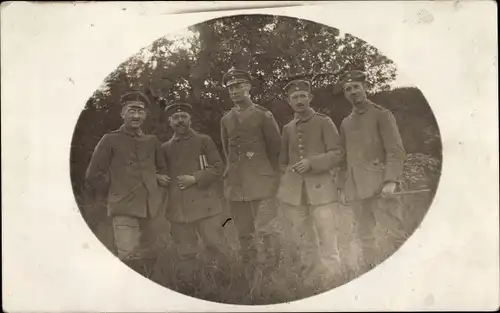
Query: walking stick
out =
(399, 193)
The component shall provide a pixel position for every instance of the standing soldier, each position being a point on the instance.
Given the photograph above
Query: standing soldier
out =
(374, 162)
(194, 200)
(310, 151)
(132, 163)
(251, 143)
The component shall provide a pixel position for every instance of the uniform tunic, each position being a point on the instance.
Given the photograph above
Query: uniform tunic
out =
(317, 139)
(202, 199)
(251, 142)
(130, 163)
(374, 151)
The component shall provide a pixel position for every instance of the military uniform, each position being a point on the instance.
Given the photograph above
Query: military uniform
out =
(374, 156)
(129, 163)
(197, 209)
(251, 143)
(309, 200)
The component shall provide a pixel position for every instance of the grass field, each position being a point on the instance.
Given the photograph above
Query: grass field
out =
(278, 280)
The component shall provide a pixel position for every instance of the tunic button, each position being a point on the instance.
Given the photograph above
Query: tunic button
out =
(301, 146)
(301, 157)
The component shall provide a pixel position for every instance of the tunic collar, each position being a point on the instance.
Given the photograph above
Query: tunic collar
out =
(124, 130)
(310, 113)
(185, 136)
(239, 110)
(357, 111)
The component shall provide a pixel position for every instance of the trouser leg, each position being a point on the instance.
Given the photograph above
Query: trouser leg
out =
(243, 214)
(148, 239)
(301, 244)
(246, 273)
(328, 231)
(266, 236)
(217, 271)
(185, 239)
(212, 233)
(347, 240)
(334, 225)
(134, 242)
(127, 234)
(365, 225)
(392, 229)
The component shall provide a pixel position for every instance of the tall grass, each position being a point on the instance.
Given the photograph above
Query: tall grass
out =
(277, 279)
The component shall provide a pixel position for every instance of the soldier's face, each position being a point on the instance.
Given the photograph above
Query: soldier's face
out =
(239, 92)
(300, 100)
(355, 92)
(180, 121)
(133, 116)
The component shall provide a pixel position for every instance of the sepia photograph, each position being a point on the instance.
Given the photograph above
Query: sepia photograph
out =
(249, 156)
(255, 159)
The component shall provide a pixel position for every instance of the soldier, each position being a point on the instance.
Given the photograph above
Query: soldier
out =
(194, 199)
(374, 162)
(310, 151)
(251, 143)
(133, 165)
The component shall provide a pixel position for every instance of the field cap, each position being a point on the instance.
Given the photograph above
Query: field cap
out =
(235, 76)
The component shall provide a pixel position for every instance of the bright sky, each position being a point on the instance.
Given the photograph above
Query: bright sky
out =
(180, 37)
(402, 81)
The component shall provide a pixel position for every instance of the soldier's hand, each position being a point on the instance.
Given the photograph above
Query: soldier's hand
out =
(184, 181)
(163, 180)
(302, 166)
(388, 189)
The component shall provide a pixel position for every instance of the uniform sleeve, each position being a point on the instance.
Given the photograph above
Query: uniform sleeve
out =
(223, 137)
(161, 162)
(334, 153)
(342, 172)
(284, 158)
(393, 145)
(98, 170)
(214, 169)
(272, 138)
(165, 153)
